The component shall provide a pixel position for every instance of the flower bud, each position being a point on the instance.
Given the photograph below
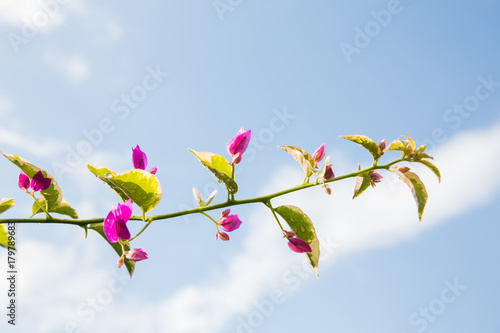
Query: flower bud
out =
(136, 255)
(139, 158)
(404, 169)
(222, 235)
(381, 145)
(319, 154)
(237, 158)
(327, 189)
(120, 262)
(288, 234)
(225, 213)
(238, 144)
(153, 170)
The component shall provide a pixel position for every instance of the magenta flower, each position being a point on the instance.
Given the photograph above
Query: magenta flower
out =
(230, 223)
(296, 244)
(38, 183)
(136, 255)
(328, 173)
(238, 145)
(24, 181)
(319, 154)
(140, 160)
(375, 178)
(114, 225)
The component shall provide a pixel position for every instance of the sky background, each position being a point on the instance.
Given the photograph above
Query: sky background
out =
(85, 81)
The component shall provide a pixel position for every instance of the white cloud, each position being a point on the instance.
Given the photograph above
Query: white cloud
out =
(75, 67)
(382, 217)
(5, 105)
(35, 15)
(43, 148)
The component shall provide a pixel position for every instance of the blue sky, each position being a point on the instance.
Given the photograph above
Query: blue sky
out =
(83, 82)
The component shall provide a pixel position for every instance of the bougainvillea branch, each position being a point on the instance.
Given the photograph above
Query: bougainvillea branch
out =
(142, 188)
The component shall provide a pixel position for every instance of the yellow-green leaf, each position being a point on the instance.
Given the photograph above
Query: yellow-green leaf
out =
(302, 157)
(366, 143)
(6, 204)
(417, 188)
(432, 167)
(62, 208)
(53, 193)
(302, 225)
(101, 173)
(219, 167)
(142, 187)
(4, 237)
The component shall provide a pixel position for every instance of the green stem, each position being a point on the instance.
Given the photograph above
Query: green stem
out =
(45, 209)
(142, 230)
(270, 206)
(210, 217)
(262, 199)
(232, 176)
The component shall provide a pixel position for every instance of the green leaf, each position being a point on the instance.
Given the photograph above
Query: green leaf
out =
(101, 173)
(303, 157)
(6, 204)
(4, 237)
(142, 187)
(366, 143)
(409, 143)
(420, 149)
(396, 145)
(301, 224)
(406, 146)
(62, 208)
(130, 264)
(220, 167)
(417, 188)
(362, 183)
(433, 168)
(53, 193)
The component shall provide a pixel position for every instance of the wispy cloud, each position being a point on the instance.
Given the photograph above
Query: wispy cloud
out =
(74, 66)
(381, 217)
(25, 143)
